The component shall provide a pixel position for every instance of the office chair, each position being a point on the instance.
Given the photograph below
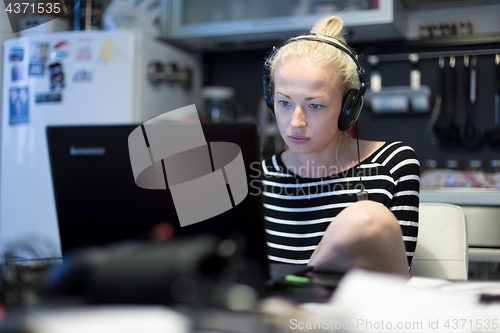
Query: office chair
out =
(442, 246)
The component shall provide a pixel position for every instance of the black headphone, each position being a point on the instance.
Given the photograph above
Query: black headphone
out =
(353, 99)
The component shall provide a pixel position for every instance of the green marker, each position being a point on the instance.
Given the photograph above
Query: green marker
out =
(295, 278)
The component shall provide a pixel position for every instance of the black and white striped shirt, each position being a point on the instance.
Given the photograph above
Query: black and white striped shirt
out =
(298, 210)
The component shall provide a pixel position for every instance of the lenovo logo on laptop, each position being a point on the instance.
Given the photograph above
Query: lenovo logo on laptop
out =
(87, 151)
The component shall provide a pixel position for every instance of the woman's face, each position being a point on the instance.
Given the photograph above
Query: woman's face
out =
(307, 103)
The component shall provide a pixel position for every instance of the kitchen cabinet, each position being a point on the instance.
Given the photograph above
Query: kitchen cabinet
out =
(206, 25)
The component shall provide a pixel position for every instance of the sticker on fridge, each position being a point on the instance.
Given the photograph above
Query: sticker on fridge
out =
(82, 75)
(17, 73)
(36, 69)
(39, 51)
(18, 105)
(16, 54)
(51, 97)
(61, 50)
(105, 52)
(56, 76)
(84, 50)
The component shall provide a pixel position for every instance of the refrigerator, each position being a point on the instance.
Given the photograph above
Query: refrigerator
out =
(73, 78)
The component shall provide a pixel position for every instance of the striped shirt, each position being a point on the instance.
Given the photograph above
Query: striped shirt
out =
(298, 210)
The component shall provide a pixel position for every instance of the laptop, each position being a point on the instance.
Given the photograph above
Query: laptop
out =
(98, 202)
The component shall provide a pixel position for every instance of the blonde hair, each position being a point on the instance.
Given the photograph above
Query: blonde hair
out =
(323, 54)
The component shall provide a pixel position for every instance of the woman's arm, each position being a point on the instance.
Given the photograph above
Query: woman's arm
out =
(404, 205)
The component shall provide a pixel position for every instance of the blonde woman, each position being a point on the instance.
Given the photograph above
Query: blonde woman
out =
(322, 207)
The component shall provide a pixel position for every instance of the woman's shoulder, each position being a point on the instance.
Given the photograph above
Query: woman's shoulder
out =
(394, 151)
(398, 158)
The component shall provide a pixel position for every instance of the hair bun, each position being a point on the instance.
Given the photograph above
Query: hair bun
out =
(330, 26)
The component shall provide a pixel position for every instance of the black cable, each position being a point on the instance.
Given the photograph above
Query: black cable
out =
(362, 194)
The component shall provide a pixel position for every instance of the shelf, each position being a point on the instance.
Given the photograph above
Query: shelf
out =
(484, 254)
(462, 196)
(399, 99)
(473, 42)
(474, 39)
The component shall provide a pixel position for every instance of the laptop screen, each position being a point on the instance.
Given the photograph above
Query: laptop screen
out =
(98, 201)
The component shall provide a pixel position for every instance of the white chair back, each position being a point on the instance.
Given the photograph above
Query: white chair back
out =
(442, 246)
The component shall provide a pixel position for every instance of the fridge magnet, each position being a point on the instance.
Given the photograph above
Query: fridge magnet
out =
(17, 73)
(16, 54)
(105, 52)
(84, 54)
(56, 76)
(36, 69)
(51, 97)
(82, 75)
(39, 52)
(18, 105)
(84, 51)
(60, 50)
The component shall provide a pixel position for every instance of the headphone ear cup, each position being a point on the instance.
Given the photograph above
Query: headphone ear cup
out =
(268, 92)
(268, 82)
(351, 108)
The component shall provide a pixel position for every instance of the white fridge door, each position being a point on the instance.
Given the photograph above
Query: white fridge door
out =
(63, 78)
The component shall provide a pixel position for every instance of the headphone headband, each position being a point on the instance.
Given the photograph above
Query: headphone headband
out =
(338, 44)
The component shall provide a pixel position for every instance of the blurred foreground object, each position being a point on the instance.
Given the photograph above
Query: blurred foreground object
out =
(201, 271)
(109, 319)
